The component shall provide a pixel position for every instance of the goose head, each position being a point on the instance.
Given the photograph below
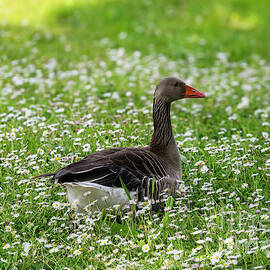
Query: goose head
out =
(172, 88)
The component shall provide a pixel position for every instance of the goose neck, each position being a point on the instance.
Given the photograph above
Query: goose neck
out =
(163, 135)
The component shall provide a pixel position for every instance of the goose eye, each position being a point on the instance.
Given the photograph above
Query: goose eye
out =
(176, 84)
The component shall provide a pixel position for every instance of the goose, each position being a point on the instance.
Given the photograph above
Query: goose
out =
(96, 181)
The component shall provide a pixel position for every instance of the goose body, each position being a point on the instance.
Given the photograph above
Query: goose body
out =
(94, 182)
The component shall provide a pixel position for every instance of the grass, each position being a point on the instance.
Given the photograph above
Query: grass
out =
(173, 28)
(78, 77)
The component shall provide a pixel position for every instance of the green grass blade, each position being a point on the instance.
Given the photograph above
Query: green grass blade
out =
(153, 187)
(125, 188)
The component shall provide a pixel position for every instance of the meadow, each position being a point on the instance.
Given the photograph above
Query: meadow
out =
(78, 76)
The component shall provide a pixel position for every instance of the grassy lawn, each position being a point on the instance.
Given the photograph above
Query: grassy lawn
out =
(78, 76)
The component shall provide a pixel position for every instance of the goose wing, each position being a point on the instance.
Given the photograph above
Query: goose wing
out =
(107, 166)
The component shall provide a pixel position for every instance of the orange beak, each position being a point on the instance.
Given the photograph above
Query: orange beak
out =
(193, 93)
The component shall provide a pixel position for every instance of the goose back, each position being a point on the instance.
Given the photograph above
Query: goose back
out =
(107, 166)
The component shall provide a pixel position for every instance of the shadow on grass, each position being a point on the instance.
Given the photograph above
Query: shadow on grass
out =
(172, 28)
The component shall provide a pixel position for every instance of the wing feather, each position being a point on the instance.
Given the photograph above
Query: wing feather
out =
(107, 166)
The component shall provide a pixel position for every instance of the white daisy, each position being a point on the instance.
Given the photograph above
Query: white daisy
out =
(216, 257)
(145, 248)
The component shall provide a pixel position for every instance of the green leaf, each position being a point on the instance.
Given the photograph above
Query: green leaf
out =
(170, 202)
(153, 187)
(166, 218)
(124, 187)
